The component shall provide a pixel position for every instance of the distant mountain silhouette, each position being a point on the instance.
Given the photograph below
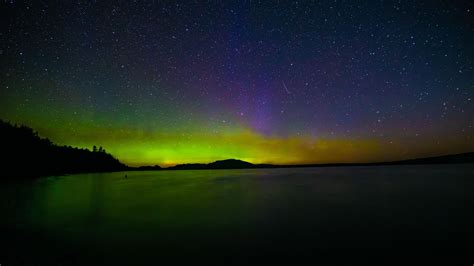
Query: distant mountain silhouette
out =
(453, 158)
(224, 164)
(444, 159)
(147, 168)
(25, 154)
(238, 164)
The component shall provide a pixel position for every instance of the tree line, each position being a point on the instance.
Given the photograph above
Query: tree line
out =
(26, 154)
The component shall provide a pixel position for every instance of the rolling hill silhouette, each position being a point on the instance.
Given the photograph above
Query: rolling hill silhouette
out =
(238, 164)
(223, 164)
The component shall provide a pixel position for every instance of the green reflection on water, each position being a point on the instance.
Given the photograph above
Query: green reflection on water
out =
(129, 215)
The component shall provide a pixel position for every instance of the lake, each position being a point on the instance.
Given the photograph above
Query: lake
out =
(223, 216)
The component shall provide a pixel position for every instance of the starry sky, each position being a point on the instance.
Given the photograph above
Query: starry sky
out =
(168, 82)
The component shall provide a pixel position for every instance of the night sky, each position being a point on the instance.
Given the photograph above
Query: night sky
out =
(161, 82)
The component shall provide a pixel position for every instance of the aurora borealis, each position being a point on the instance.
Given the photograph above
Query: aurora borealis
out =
(290, 82)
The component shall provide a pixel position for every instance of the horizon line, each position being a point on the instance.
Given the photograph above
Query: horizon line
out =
(310, 164)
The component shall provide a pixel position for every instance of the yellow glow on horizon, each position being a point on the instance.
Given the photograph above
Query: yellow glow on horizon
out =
(165, 149)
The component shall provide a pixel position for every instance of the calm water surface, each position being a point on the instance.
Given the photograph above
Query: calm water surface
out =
(215, 215)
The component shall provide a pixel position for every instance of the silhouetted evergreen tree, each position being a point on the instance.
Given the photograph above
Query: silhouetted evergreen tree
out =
(26, 154)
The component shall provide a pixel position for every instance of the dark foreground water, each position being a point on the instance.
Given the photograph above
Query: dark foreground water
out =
(225, 216)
